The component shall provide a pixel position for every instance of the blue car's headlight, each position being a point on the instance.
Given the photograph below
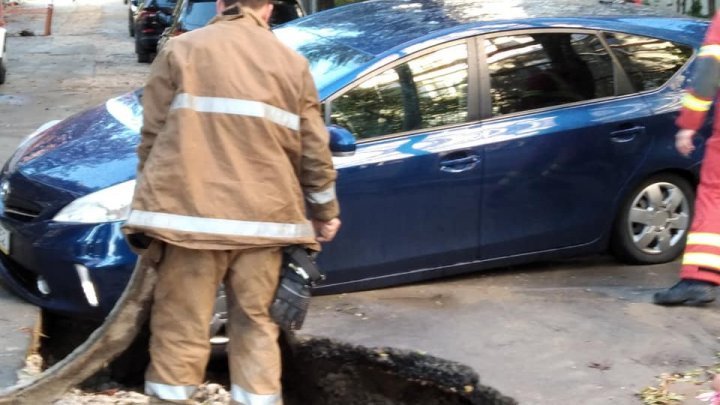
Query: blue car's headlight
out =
(107, 205)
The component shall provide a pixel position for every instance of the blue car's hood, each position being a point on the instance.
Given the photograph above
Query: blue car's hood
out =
(88, 151)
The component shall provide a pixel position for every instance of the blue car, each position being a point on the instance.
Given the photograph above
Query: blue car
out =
(467, 135)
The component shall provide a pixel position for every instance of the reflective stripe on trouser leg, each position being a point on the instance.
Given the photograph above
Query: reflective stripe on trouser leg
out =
(180, 317)
(169, 392)
(701, 260)
(254, 354)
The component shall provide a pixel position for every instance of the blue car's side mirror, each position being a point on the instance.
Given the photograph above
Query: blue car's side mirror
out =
(342, 142)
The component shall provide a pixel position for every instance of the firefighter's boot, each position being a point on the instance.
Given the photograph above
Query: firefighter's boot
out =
(687, 292)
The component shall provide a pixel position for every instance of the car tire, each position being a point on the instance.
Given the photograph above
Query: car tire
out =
(3, 70)
(654, 220)
(143, 57)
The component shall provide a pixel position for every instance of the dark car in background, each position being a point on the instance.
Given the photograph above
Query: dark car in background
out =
(190, 15)
(467, 135)
(152, 17)
(3, 54)
(193, 14)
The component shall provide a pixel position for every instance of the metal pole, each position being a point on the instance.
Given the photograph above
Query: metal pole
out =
(48, 18)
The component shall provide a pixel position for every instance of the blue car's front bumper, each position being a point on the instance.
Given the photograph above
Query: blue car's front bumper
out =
(50, 252)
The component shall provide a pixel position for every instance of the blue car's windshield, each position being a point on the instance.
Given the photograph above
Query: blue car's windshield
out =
(328, 59)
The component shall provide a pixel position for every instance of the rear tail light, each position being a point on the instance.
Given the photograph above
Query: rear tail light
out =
(147, 13)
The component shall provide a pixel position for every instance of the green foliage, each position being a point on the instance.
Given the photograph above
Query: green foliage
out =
(696, 9)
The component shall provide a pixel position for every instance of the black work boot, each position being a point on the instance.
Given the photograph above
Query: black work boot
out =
(686, 292)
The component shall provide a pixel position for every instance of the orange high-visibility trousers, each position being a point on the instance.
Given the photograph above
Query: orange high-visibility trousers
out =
(701, 259)
(183, 308)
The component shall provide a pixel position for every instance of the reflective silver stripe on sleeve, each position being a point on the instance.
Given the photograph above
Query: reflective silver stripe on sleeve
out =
(169, 392)
(216, 226)
(321, 197)
(237, 106)
(241, 396)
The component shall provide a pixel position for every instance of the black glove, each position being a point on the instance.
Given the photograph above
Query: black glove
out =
(292, 298)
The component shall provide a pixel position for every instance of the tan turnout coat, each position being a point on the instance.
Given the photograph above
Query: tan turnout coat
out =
(233, 142)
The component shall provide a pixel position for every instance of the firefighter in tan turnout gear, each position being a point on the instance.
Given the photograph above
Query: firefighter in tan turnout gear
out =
(233, 146)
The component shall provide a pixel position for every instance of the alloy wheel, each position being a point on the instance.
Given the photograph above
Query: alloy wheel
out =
(659, 218)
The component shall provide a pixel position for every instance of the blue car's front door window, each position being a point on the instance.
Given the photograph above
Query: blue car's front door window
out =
(428, 91)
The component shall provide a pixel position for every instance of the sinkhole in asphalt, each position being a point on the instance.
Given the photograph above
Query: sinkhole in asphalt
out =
(321, 371)
(317, 371)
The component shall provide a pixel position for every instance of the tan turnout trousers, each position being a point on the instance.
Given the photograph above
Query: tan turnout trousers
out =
(183, 308)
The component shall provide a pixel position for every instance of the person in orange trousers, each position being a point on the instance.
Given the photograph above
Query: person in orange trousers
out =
(700, 273)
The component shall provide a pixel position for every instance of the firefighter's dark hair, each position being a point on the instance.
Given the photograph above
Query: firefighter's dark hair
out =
(254, 4)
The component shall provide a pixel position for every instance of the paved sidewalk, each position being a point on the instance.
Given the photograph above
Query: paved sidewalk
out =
(18, 321)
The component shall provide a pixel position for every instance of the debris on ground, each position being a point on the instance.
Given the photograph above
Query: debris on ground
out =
(33, 367)
(678, 388)
(207, 394)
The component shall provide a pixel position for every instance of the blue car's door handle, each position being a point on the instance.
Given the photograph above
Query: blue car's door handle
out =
(459, 164)
(627, 134)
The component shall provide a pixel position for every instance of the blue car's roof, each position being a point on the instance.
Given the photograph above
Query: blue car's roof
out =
(376, 26)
